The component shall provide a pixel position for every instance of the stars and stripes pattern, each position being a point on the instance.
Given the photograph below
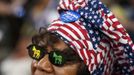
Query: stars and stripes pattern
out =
(71, 4)
(98, 37)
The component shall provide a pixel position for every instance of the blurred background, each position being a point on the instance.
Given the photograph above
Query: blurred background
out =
(21, 19)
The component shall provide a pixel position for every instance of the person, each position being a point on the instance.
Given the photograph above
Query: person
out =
(50, 43)
(86, 39)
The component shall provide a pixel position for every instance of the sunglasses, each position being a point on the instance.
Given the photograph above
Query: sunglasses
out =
(56, 57)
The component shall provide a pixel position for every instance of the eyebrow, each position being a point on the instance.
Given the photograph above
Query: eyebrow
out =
(66, 50)
(69, 53)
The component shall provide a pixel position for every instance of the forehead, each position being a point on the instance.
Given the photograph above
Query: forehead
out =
(49, 41)
(60, 45)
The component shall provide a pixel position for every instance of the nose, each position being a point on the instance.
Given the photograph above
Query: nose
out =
(45, 65)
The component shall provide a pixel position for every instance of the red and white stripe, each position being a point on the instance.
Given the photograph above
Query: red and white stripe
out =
(79, 39)
(71, 4)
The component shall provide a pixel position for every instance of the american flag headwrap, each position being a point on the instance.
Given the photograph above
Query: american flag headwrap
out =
(97, 36)
(71, 4)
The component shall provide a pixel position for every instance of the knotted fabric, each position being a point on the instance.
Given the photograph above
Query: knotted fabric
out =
(97, 36)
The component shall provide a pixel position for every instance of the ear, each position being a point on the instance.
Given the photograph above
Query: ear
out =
(83, 69)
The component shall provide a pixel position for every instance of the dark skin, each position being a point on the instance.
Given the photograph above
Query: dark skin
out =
(50, 42)
(45, 67)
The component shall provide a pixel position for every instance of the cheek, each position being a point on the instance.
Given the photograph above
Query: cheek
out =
(67, 70)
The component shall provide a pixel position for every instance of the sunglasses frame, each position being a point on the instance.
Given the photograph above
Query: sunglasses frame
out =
(55, 57)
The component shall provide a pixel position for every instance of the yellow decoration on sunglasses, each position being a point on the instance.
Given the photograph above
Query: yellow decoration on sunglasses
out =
(36, 53)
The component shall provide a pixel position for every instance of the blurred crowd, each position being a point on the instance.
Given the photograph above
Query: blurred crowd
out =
(21, 19)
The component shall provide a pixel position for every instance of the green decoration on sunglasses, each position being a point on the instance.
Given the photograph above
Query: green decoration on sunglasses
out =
(55, 57)
(58, 58)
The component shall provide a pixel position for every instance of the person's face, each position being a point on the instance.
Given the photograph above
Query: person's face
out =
(45, 67)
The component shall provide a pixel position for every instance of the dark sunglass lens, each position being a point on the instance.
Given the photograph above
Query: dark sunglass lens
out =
(57, 58)
(36, 52)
